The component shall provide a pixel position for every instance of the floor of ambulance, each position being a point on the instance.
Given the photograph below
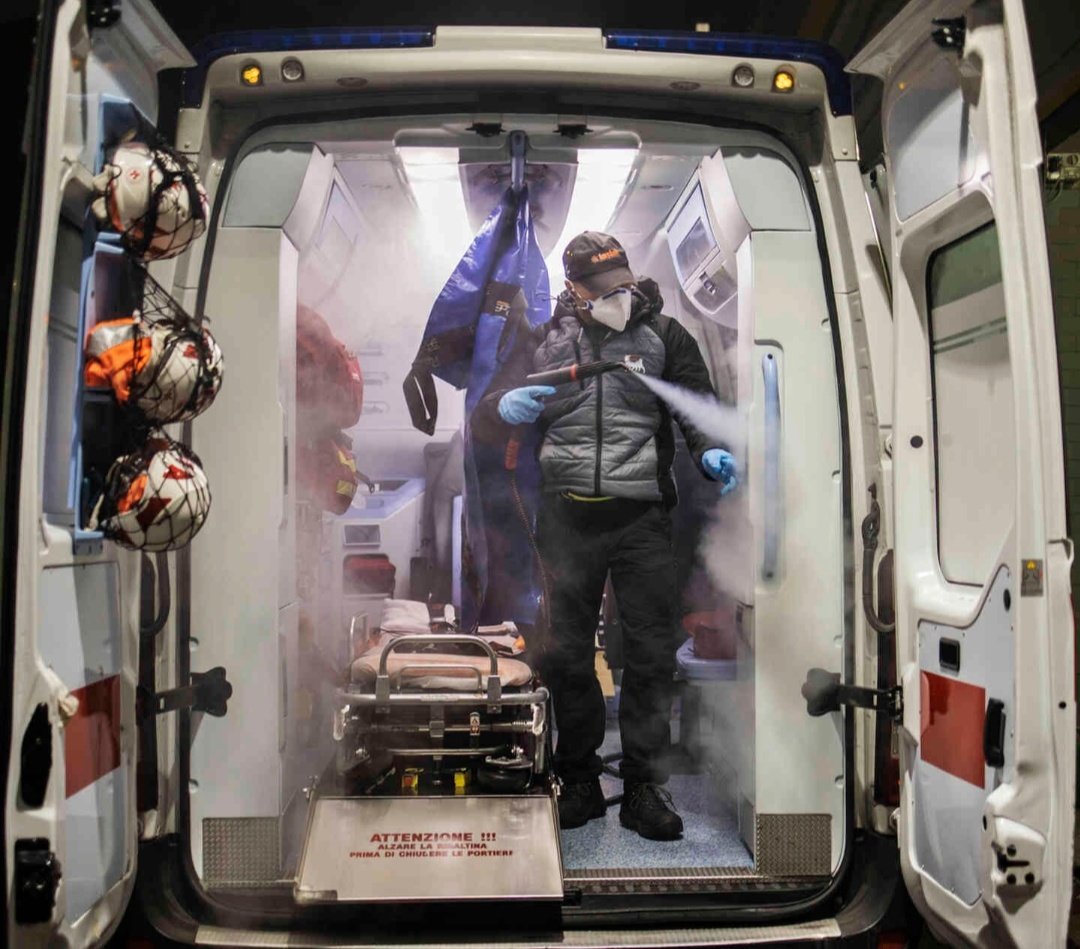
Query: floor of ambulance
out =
(710, 829)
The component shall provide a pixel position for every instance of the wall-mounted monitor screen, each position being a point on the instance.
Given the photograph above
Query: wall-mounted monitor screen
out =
(694, 248)
(692, 236)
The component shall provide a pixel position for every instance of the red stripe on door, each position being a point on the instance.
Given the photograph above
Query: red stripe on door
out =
(953, 715)
(92, 736)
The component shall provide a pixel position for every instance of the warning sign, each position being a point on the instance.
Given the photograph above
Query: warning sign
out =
(431, 848)
(450, 844)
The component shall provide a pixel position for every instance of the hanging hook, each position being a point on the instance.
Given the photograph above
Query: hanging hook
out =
(519, 144)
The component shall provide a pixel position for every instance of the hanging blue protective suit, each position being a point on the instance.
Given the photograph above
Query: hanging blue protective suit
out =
(500, 283)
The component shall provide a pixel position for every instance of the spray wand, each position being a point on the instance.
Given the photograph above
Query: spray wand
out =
(578, 371)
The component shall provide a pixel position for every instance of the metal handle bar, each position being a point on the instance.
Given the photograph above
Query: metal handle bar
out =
(772, 466)
(438, 639)
(382, 681)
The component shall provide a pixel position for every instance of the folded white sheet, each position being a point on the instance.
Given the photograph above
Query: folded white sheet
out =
(405, 616)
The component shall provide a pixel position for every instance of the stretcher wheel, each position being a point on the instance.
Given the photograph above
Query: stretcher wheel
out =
(505, 774)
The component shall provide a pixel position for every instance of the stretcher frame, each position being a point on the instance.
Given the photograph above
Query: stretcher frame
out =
(488, 699)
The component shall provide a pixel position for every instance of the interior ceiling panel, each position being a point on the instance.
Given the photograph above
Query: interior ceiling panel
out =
(658, 184)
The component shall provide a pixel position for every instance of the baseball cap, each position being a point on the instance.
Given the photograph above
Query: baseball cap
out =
(597, 261)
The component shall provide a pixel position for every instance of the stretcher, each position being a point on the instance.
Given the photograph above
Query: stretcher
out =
(440, 713)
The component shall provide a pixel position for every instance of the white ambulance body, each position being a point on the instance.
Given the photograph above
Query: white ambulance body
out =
(885, 329)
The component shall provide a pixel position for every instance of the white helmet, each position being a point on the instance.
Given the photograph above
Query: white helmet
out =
(157, 498)
(152, 197)
(183, 373)
(159, 361)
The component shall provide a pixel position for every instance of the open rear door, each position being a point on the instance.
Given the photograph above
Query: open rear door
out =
(70, 601)
(984, 626)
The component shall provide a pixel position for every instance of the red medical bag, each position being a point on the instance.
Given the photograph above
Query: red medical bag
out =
(329, 383)
(368, 574)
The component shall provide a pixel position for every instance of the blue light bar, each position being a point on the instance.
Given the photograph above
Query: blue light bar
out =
(277, 41)
(746, 46)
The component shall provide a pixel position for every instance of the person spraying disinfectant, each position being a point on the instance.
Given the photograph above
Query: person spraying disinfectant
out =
(606, 449)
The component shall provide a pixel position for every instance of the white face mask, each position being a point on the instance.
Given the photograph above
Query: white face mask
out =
(613, 309)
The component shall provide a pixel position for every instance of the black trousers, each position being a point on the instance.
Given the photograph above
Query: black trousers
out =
(580, 542)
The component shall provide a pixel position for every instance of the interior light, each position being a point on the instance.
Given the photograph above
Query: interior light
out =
(601, 177)
(292, 70)
(251, 75)
(783, 81)
(434, 178)
(429, 164)
(743, 76)
(436, 187)
(702, 27)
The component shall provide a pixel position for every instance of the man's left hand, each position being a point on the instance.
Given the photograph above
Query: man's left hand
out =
(720, 466)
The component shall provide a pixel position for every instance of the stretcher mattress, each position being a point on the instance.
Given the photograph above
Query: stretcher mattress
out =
(437, 671)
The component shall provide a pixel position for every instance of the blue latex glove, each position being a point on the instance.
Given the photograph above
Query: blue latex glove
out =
(523, 405)
(720, 466)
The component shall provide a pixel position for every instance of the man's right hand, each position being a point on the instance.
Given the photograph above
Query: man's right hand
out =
(523, 405)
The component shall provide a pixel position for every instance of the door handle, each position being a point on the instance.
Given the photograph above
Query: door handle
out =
(772, 466)
(994, 733)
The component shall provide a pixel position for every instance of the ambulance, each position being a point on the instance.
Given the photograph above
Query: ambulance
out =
(247, 701)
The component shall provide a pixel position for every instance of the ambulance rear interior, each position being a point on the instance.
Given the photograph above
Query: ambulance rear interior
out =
(365, 227)
(362, 219)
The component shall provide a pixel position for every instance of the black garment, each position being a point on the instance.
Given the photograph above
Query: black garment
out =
(580, 541)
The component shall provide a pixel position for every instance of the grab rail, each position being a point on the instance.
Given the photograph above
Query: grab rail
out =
(382, 680)
(772, 466)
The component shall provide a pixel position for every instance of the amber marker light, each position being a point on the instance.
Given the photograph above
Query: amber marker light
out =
(251, 75)
(783, 81)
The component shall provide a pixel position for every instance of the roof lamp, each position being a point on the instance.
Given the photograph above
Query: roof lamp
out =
(743, 76)
(251, 75)
(824, 57)
(214, 47)
(783, 81)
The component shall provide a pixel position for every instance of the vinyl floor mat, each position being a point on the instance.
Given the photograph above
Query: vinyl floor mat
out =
(710, 835)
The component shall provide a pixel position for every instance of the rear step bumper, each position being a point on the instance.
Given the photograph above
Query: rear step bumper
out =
(171, 909)
(574, 939)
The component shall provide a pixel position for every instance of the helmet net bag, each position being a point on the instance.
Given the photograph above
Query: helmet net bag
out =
(161, 364)
(155, 498)
(150, 194)
(181, 366)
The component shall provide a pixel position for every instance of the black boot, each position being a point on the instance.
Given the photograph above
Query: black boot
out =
(647, 809)
(580, 803)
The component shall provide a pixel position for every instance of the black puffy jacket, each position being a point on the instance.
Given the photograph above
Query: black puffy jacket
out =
(607, 435)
